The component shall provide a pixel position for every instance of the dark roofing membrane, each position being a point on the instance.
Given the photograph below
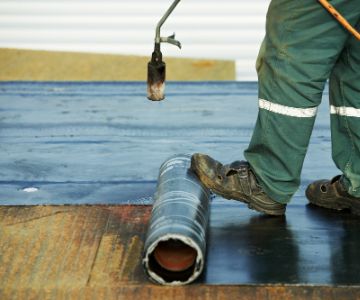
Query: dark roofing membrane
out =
(103, 143)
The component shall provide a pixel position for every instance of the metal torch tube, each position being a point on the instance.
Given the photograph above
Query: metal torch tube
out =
(163, 19)
(180, 214)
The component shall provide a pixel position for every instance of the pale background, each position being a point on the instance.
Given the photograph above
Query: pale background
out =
(228, 29)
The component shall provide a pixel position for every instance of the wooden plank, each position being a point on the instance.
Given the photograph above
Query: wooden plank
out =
(18, 64)
(94, 252)
(190, 292)
(71, 247)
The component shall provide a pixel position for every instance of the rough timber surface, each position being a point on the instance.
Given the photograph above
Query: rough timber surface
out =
(94, 252)
(103, 143)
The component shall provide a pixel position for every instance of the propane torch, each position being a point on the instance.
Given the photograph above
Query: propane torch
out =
(156, 66)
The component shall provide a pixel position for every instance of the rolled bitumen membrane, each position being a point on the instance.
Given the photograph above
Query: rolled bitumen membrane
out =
(175, 246)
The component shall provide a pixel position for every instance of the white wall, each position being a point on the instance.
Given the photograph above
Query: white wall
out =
(228, 29)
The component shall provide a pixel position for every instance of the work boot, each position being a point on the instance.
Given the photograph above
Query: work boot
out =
(234, 181)
(332, 194)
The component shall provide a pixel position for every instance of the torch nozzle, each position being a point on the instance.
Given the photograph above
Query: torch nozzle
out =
(156, 77)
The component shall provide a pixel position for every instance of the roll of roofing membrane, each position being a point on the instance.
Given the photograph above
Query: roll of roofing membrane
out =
(175, 246)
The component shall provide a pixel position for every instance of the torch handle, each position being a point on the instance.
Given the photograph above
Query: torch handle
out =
(331, 9)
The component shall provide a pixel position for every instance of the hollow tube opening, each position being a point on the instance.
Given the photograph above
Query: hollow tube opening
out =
(173, 260)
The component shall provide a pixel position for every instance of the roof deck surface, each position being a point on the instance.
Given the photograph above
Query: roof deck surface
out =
(102, 144)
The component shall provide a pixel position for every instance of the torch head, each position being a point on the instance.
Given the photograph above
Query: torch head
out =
(156, 77)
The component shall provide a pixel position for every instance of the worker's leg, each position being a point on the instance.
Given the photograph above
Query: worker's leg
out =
(301, 47)
(345, 115)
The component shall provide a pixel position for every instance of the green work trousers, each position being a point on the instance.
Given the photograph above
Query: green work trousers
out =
(305, 46)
